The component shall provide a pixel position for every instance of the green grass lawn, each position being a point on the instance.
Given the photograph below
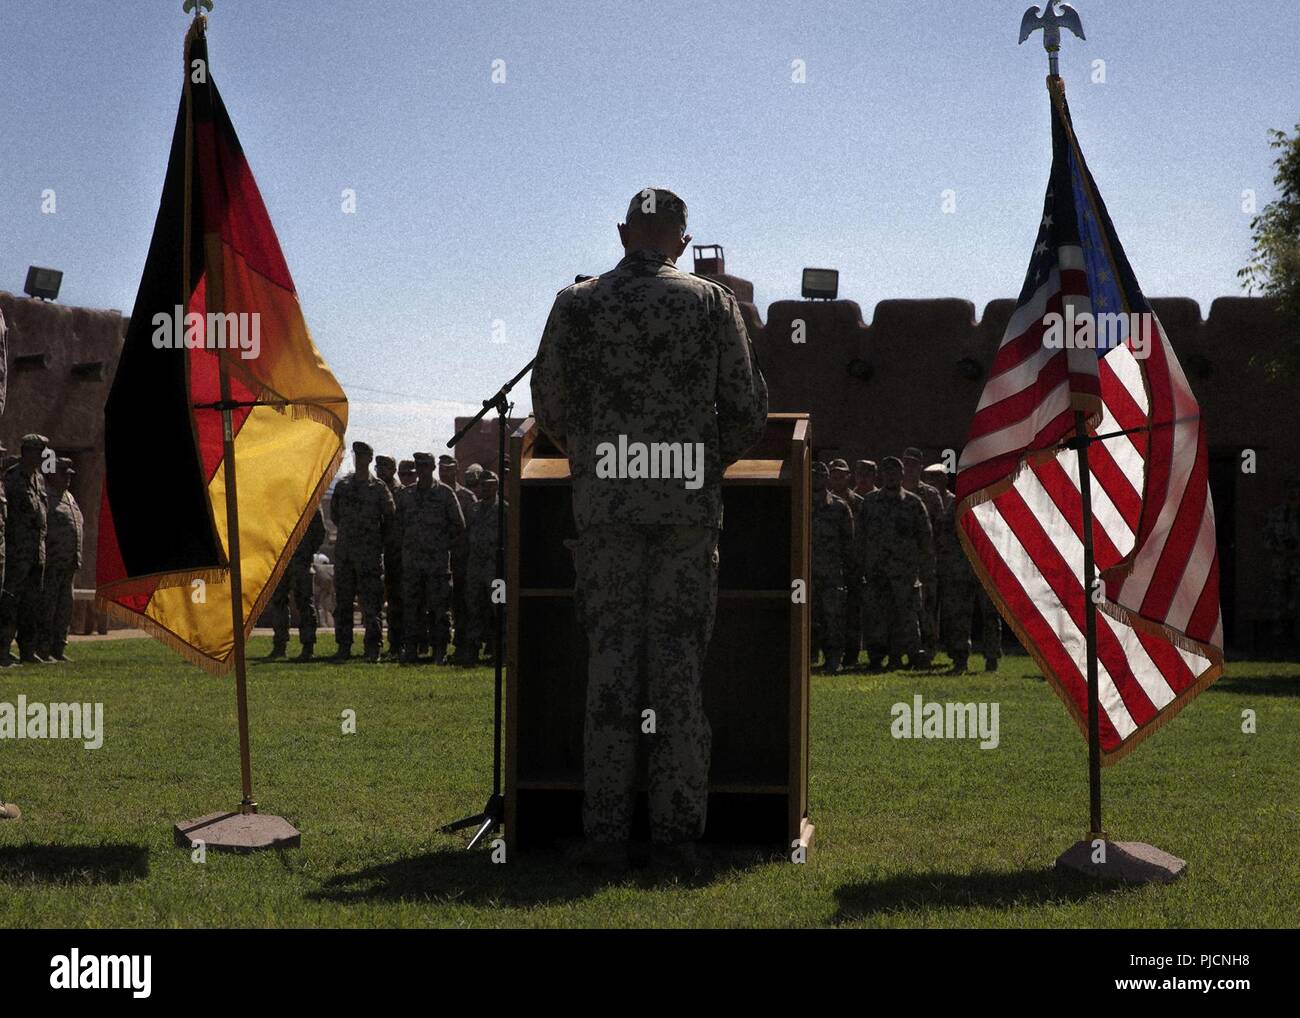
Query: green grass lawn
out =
(909, 833)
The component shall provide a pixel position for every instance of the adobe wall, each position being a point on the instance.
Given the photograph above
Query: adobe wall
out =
(908, 388)
(871, 390)
(61, 362)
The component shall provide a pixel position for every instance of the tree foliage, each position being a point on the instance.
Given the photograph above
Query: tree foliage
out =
(1274, 268)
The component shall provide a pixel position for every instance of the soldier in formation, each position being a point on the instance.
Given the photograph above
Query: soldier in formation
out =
(834, 564)
(864, 476)
(895, 551)
(297, 583)
(63, 536)
(473, 478)
(429, 522)
(960, 592)
(446, 621)
(21, 596)
(480, 626)
(930, 498)
(362, 509)
(8, 810)
(841, 484)
(386, 471)
(646, 353)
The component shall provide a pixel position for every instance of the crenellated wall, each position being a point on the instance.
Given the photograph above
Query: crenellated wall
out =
(874, 389)
(911, 377)
(61, 362)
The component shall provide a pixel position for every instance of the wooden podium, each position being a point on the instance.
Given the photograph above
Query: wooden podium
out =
(756, 672)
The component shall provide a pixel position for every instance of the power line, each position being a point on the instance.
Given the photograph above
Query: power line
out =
(407, 395)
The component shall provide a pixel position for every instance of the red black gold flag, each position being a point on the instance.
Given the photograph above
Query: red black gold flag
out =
(215, 294)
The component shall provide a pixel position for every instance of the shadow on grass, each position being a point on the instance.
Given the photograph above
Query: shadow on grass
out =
(542, 878)
(1258, 685)
(73, 864)
(980, 889)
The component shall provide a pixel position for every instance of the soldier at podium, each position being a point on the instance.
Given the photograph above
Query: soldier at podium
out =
(647, 365)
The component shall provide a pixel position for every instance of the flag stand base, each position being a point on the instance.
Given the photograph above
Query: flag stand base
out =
(1129, 862)
(227, 831)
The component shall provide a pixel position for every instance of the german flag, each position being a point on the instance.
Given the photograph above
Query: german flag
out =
(216, 310)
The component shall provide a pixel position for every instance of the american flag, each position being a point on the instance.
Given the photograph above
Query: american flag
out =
(1019, 517)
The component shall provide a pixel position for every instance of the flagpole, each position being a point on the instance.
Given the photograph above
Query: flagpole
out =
(1081, 443)
(1050, 20)
(1097, 857)
(246, 830)
(246, 804)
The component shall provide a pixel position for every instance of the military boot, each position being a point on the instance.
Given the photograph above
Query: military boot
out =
(990, 664)
(277, 652)
(960, 666)
(308, 652)
(343, 653)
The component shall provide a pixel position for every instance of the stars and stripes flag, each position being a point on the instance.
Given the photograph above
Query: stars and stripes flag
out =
(1083, 338)
(214, 270)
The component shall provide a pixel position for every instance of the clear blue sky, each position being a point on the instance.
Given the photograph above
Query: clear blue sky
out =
(477, 201)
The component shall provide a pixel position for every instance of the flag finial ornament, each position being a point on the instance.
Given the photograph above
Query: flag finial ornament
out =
(199, 6)
(1051, 19)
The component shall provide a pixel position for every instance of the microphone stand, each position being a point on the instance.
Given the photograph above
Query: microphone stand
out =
(493, 814)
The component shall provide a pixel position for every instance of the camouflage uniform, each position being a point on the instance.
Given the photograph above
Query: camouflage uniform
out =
(62, 560)
(833, 569)
(4, 515)
(929, 609)
(648, 354)
(894, 548)
(395, 613)
(481, 570)
(362, 509)
(20, 603)
(456, 612)
(853, 600)
(297, 581)
(959, 592)
(429, 521)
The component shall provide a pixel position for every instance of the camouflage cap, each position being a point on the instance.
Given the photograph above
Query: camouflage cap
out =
(473, 470)
(422, 458)
(446, 460)
(820, 469)
(487, 477)
(34, 441)
(862, 465)
(657, 201)
(839, 464)
(913, 453)
(64, 465)
(406, 467)
(385, 461)
(936, 468)
(891, 461)
(362, 447)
